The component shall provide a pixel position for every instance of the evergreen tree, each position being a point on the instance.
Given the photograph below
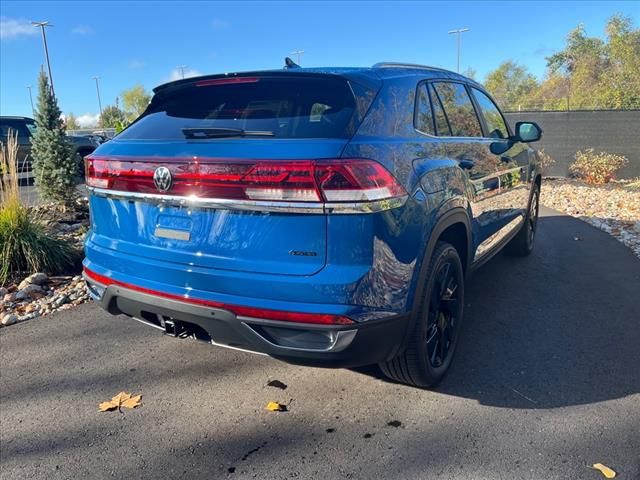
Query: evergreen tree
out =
(54, 164)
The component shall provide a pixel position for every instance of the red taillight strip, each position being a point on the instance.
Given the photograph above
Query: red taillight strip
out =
(257, 313)
(337, 185)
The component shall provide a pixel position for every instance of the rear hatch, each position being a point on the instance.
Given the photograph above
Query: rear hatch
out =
(213, 174)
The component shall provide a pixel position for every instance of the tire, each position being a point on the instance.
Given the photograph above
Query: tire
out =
(431, 345)
(522, 244)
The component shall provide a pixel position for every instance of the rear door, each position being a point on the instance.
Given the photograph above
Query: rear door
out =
(209, 134)
(491, 178)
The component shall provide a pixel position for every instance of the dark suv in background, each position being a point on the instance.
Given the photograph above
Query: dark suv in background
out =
(322, 216)
(25, 128)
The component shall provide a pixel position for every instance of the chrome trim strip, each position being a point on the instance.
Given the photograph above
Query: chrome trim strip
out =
(260, 205)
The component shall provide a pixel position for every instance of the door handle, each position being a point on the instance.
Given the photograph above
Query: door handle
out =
(466, 164)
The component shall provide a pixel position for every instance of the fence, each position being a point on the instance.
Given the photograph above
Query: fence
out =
(612, 131)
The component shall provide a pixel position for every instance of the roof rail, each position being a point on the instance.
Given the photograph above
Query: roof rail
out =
(406, 65)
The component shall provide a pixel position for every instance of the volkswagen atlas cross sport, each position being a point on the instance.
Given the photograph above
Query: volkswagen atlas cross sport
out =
(325, 217)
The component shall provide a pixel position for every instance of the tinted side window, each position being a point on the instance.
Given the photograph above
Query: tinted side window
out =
(492, 116)
(424, 116)
(442, 124)
(16, 128)
(459, 109)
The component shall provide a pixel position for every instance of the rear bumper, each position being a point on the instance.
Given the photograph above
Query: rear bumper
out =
(350, 345)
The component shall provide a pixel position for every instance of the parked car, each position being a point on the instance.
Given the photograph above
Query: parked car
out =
(26, 127)
(325, 217)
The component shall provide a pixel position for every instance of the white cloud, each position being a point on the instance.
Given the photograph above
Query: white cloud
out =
(136, 64)
(220, 24)
(176, 74)
(82, 30)
(88, 120)
(15, 27)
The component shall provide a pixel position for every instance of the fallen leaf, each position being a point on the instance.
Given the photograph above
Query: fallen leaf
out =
(276, 407)
(123, 399)
(606, 471)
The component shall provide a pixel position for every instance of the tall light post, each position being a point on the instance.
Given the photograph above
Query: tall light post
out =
(33, 110)
(181, 68)
(42, 25)
(98, 92)
(298, 54)
(458, 31)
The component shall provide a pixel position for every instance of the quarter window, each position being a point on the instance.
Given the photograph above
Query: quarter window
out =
(442, 124)
(424, 116)
(459, 109)
(492, 116)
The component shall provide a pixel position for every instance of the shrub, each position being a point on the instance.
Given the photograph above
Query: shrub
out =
(597, 168)
(54, 163)
(24, 244)
(546, 161)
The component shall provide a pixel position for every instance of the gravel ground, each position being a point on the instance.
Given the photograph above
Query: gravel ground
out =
(613, 208)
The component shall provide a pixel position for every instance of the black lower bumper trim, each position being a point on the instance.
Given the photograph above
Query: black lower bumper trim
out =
(304, 344)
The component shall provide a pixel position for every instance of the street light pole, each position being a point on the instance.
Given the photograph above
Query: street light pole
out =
(298, 54)
(99, 101)
(46, 50)
(33, 110)
(458, 31)
(181, 68)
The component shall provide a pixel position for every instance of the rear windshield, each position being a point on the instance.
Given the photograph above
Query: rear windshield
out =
(268, 107)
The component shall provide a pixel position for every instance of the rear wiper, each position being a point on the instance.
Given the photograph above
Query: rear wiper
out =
(220, 132)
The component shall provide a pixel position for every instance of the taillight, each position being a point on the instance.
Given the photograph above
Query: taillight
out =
(330, 183)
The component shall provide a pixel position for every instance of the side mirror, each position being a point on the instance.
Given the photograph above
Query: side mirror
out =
(528, 132)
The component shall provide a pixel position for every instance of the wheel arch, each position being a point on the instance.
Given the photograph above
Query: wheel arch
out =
(449, 227)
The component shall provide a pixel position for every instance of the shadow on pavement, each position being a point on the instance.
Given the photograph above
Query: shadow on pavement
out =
(557, 328)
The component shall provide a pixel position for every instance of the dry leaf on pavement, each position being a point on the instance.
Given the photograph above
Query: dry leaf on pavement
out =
(123, 399)
(276, 407)
(606, 471)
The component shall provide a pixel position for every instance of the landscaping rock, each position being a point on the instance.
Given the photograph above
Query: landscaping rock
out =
(9, 297)
(30, 291)
(9, 319)
(34, 279)
(60, 301)
(3, 292)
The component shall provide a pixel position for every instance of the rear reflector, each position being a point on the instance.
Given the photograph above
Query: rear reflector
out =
(253, 312)
(332, 181)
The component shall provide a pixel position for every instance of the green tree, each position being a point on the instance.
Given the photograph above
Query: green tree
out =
(113, 117)
(135, 101)
(54, 164)
(597, 73)
(511, 84)
(70, 122)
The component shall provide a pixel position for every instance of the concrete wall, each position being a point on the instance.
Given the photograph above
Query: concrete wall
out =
(611, 131)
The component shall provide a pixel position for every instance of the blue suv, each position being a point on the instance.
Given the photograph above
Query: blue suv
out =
(325, 217)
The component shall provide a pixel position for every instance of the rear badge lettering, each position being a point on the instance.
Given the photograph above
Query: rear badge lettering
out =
(302, 253)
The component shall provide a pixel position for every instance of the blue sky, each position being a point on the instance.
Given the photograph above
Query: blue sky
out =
(142, 42)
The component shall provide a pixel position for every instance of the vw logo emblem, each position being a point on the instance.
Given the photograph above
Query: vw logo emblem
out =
(162, 179)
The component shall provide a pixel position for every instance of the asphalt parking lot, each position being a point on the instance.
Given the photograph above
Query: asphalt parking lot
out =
(546, 382)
